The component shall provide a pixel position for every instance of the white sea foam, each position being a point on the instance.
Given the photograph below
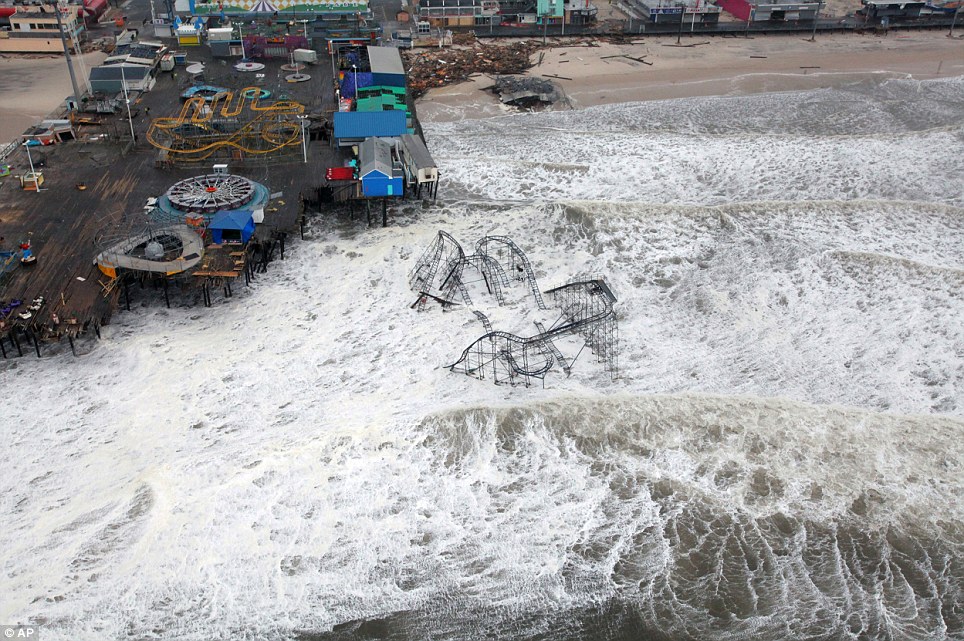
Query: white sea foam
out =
(780, 457)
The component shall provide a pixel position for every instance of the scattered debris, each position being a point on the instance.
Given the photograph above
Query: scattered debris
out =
(437, 68)
(527, 92)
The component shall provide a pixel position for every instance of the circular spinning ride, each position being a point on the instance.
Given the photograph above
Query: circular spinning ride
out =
(197, 200)
(211, 193)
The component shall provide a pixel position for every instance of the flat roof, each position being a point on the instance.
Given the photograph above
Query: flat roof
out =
(368, 124)
(385, 60)
(418, 152)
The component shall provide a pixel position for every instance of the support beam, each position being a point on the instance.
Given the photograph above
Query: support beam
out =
(36, 342)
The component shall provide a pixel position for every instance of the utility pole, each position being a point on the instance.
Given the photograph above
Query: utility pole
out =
(950, 34)
(816, 17)
(70, 65)
(682, 15)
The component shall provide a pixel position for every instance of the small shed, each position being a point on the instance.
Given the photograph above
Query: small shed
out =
(49, 132)
(877, 10)
(380, 173)
(110, 79)
(232, 226)
(419, 164)
(188, 36)
(386, 65)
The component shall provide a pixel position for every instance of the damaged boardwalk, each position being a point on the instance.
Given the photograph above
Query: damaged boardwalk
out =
(98, 181)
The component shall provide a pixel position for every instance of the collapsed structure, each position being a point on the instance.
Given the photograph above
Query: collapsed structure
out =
(586, 310)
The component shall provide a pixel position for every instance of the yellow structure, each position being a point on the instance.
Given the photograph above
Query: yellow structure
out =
(188, 36)
(234, 123)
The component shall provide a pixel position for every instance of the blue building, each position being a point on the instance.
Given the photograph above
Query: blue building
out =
(386, 66)
(232, 226)
(352, 127)
(380, 169)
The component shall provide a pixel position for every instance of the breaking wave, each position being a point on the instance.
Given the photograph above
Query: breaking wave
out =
(780, 457)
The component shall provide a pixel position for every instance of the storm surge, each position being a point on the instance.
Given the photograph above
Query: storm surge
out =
(780, 456)
(686, 517)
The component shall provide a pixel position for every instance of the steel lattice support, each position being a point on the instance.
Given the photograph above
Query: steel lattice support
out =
(586, 308)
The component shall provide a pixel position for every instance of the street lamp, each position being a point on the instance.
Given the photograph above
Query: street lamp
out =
(354, 74)
(33, 174)
(244, 56)
(304, 138)
(127, 100)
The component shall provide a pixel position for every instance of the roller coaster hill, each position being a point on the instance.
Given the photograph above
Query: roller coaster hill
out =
(585, 311)
(224, 125)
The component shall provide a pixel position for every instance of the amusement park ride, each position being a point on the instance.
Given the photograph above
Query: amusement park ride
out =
(229, 124)
(585, 306)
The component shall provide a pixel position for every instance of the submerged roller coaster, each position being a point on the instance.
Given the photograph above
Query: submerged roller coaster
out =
(586, 308)
(231, 125)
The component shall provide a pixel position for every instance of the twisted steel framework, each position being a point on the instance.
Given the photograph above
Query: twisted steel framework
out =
(586, 310)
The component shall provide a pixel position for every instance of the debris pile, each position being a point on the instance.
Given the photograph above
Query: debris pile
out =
(440, 67)
(525, 91)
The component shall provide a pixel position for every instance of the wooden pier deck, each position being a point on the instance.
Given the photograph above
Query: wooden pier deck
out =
(62, 222)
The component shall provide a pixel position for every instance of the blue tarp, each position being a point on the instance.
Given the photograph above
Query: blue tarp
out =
(348, 85)
(232, 220)
(357, 125)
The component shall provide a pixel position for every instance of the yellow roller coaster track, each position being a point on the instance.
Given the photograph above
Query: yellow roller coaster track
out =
(266, 125)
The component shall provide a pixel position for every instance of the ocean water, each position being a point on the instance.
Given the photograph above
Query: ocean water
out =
(780, 456)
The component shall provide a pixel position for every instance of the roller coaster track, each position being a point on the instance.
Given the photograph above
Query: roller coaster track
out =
(556, 354)
(517, 259)
(269, 130)
(492, 273)
(485, 321)
(580, 319)
(587, 309)
(423, 276)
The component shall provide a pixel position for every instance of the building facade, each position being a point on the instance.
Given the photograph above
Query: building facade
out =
(34, 29)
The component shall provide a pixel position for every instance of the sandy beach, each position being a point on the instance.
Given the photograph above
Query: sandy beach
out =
(711, 66)
(31, 87)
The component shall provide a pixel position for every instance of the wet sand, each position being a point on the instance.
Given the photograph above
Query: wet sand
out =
(32, 87)
(712, 66)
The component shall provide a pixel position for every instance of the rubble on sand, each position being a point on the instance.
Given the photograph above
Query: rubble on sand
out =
(525, 91)
(440, 67)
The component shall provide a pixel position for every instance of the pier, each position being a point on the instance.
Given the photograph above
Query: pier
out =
(117, 168)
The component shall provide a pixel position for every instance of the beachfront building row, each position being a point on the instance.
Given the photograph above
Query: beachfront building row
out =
(374, 120)
(475, 13)
(703, 11)
(35, 29)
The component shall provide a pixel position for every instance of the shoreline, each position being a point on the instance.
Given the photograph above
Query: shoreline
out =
(34, 86)
(601, 75)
